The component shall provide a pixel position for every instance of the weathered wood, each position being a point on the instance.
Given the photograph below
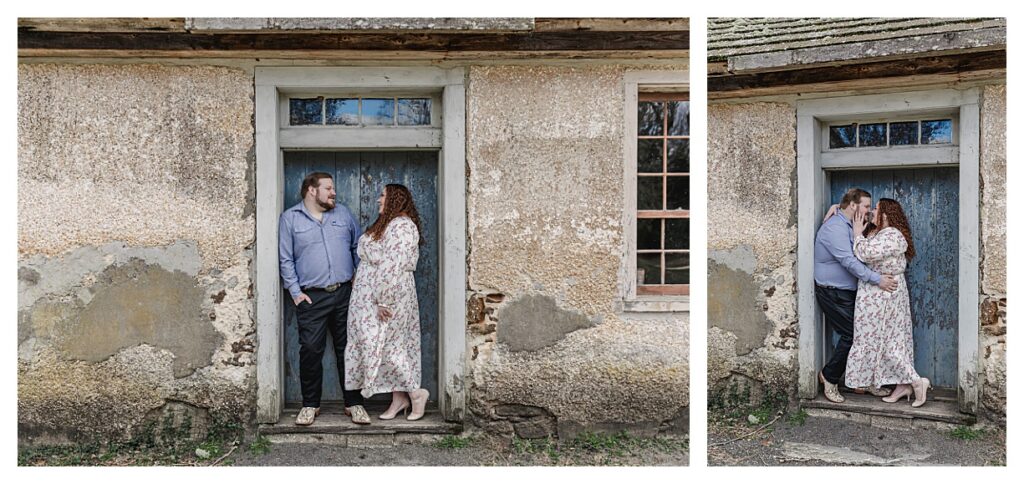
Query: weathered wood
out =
(664, 290)
(612, 24)
(452, 180)
(664, 96)
(895, 156)
(948, 64)
(269, 181)
(439, 42)
(102, 24)
(811, 179)
(361, 55)
(809, 182)
(657, 305)
(864, 38)
(332, 420)
(935, 410)
(360, 137)
(968, 361)
(718, 68)
(632, 84)
(929, 198)
(358, 177)
(860, 86)
(269, 204)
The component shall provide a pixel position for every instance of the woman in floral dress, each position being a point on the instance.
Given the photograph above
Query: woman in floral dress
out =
(883, 334)
(383, 351)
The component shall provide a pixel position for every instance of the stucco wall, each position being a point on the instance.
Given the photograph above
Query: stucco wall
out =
(549, 352)
(993, 250)
(135, 224)
(139, 305)
(752, 320)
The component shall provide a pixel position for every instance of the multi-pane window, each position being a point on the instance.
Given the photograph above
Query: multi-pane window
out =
(893, 133)
(663, 194)
(359, 111)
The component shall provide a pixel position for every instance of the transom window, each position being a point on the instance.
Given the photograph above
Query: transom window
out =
(359, 111)
(663, 194)
(932, 131)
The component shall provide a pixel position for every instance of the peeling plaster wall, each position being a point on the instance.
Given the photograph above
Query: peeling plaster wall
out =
(135, 224)
(159, 160)
(993, 250)
(752, 319)
(549, 351)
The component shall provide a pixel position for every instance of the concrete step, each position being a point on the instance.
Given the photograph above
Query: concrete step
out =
(334, 427)
(941, 411)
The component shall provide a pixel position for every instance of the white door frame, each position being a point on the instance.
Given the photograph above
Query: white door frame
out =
(812, 183)
(272, 137)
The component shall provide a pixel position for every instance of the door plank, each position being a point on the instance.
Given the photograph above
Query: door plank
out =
(930, 199)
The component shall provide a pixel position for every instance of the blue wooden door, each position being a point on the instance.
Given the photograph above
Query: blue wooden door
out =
(930, 198)
(359, 178)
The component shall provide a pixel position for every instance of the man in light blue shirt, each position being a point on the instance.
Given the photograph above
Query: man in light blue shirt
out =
(836, 273)
(317, 251)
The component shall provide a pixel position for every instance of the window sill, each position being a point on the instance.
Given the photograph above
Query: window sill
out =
(655, 304)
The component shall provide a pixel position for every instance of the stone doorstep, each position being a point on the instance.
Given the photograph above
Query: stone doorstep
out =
(940, 413)
(333, 427)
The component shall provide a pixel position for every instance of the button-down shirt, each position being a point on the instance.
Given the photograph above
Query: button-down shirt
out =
(834, 262)
(317, 253)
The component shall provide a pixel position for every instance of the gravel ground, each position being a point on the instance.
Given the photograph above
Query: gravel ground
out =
(832, 442)
(477, 451)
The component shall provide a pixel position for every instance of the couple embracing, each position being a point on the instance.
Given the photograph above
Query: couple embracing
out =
(361, 290)
(860, 256)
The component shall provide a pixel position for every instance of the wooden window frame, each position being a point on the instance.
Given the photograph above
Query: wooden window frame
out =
(433, 94)
(637, 85)
(663, 289)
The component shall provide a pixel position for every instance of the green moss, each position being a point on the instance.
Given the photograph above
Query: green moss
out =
(453, 442)
(964, 432)
(798, 418)
(259, 446)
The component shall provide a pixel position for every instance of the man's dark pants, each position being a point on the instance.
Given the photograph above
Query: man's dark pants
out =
(837, 305)
(327, 313)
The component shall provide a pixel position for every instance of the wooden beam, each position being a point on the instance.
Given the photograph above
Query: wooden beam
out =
(718, 68)
(949, 64)
(612, 24)
(891, 84)
(363, 55)
(429, 42)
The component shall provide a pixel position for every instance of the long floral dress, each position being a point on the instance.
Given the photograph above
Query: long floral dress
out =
(883, 333)
(384, 356)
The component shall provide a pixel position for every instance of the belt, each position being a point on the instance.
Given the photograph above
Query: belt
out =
(834, 287)
(331, 288)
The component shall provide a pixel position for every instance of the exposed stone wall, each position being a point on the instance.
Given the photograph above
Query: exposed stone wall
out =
(549, 352)
(135, 226)
(993, 251)
(752, 319)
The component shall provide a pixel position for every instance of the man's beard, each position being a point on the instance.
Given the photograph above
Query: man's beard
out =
(328, 205)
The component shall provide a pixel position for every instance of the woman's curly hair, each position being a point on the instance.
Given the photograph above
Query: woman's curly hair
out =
(893, 212)
(397, 202)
